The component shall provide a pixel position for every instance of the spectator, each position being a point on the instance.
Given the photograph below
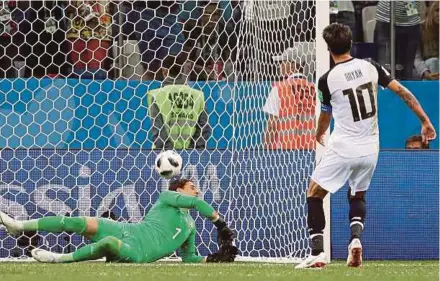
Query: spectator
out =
(407, 35)
(90, 36)
(427, 57)
(203, 70)
(416, 142)
(202, 41)
(229, 29)
(291, 104)
(45, 42)
(156, 28)
(358, 8)
(177, 111)
(343, 12)
(191, 15)
(12, 32)
(211, 39)
(280, 25)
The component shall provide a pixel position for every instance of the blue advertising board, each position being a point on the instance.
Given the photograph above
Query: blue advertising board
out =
(402, 218)
(263, 200)
(36, 183)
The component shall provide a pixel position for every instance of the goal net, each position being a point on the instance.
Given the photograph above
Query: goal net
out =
(77, 130)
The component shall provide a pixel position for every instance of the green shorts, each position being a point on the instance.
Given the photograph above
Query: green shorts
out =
(130, 251)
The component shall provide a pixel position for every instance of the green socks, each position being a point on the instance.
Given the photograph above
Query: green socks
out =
(57, 224)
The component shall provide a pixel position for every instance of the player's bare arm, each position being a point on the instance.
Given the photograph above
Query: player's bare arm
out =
(323, 124)
(428, 132)
(409, 99)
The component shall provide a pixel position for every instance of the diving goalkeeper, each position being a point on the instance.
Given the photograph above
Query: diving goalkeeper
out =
(166, 228)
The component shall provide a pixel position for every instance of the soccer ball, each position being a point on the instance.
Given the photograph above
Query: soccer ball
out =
(168, 164)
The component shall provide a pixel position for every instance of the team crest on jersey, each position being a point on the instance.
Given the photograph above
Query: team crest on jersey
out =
(190, 222)
(321, 98)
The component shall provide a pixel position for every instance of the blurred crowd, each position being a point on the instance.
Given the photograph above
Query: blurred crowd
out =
(416, 34)
(131, 39)
(94, 39)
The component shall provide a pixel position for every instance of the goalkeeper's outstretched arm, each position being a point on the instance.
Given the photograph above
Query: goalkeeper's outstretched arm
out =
(179, 200)
(226, 253)
(183, 194)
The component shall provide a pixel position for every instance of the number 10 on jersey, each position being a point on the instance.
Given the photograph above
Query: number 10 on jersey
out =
(361, 100)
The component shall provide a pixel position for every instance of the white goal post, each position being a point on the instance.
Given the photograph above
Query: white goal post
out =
(79, 143)
(322, 66)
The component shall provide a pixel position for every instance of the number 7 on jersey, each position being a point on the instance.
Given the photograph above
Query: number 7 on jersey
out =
(178, 230)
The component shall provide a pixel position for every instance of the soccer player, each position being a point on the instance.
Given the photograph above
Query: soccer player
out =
(166, 228)
(349, 94)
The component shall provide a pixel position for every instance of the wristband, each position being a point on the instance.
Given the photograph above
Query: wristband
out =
(219, 223)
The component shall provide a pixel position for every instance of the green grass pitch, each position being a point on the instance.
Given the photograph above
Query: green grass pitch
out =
(337, 271)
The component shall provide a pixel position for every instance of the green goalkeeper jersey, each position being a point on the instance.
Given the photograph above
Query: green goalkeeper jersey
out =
(168, 227)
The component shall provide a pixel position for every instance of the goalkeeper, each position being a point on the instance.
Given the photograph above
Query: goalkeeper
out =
(166, 228)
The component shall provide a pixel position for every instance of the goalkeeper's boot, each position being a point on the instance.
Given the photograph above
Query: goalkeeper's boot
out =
(318, 261)
(45, 256)
(354, 258)
(14, 227)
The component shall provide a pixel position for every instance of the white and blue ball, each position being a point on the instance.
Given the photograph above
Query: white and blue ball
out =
(168, 164)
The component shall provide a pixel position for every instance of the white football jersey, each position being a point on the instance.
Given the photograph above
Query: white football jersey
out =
(349, 90)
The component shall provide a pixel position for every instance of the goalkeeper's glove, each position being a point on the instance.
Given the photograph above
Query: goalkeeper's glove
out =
(214, 257)
(227, 249)
(224, 233)
(227, 253)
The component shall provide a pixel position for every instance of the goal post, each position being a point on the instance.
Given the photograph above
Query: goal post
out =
(80, 143)
(322, 66)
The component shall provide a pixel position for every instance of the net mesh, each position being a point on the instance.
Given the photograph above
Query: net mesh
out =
(77, 125)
